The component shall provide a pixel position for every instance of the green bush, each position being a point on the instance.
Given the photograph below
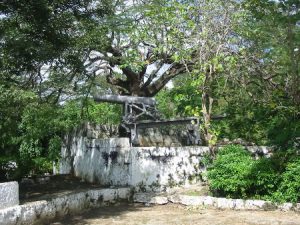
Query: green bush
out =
(230, 173)
(234, 173)
(265, 175)
(289, 188)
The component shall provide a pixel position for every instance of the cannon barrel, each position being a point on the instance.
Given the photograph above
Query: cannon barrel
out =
(121, 99)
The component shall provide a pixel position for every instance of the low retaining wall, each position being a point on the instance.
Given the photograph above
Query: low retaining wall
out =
(219, 203)
(114, 162)
(9, 194)
(39, 211)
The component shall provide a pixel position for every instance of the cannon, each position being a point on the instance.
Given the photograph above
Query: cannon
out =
(141, 112)
(134, 108)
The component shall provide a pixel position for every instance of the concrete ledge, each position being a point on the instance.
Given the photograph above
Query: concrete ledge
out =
(9, 194)
(219, 203)
(41, 211)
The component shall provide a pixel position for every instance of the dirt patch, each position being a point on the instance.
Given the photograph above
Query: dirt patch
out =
(138, 214)
(47, 187)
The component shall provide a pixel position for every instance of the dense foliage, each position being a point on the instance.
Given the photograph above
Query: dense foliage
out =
(234, 173)
(230, 172)
(289, 188)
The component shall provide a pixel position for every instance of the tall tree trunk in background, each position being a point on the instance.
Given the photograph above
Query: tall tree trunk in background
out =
(207, 103)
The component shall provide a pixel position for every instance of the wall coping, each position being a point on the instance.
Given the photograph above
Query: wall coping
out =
(214, 202)
(9, 194)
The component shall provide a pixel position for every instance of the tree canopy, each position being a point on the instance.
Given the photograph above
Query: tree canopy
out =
(235, 58)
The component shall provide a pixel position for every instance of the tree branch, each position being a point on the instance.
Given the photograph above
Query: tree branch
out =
(155, 87)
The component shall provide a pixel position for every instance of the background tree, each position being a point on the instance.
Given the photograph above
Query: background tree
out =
(244, 58)
(43, 48)
(272, 85)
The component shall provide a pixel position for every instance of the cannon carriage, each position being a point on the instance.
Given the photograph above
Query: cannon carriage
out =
(141, 112)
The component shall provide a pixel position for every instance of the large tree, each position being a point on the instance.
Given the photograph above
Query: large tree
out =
(145, 40)
(62, 48)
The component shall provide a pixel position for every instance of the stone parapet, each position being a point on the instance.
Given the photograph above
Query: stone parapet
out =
(9, 194)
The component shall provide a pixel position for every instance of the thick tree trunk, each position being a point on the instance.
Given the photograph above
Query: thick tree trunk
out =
(136, 83)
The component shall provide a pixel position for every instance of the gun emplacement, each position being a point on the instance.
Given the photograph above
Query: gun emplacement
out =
(137, 109)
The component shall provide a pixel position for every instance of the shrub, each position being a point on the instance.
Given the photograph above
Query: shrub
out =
(235, 174)
(41, 165)
(265, 175)
(230, 172)
(289, 188)
(7, 168)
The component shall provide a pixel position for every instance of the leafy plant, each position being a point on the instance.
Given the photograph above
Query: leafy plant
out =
(289, 188)
(234, 173)
(265, 175)
(230, 172)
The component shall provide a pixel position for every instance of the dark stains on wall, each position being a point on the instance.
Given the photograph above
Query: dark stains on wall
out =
(105, 156)
(180, 164)
(113, 155)
(161, 158)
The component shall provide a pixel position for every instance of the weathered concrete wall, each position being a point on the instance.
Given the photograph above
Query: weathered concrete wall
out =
(114, 162)
(40, 211)
(9, 194)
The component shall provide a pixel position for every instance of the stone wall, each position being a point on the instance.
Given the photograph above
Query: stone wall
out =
(40, 212)
(114, 162)
(166, 136)
(103, 161)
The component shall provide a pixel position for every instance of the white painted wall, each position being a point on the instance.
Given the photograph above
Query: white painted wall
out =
(163, 167)
(97, 160)
(114, 162)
